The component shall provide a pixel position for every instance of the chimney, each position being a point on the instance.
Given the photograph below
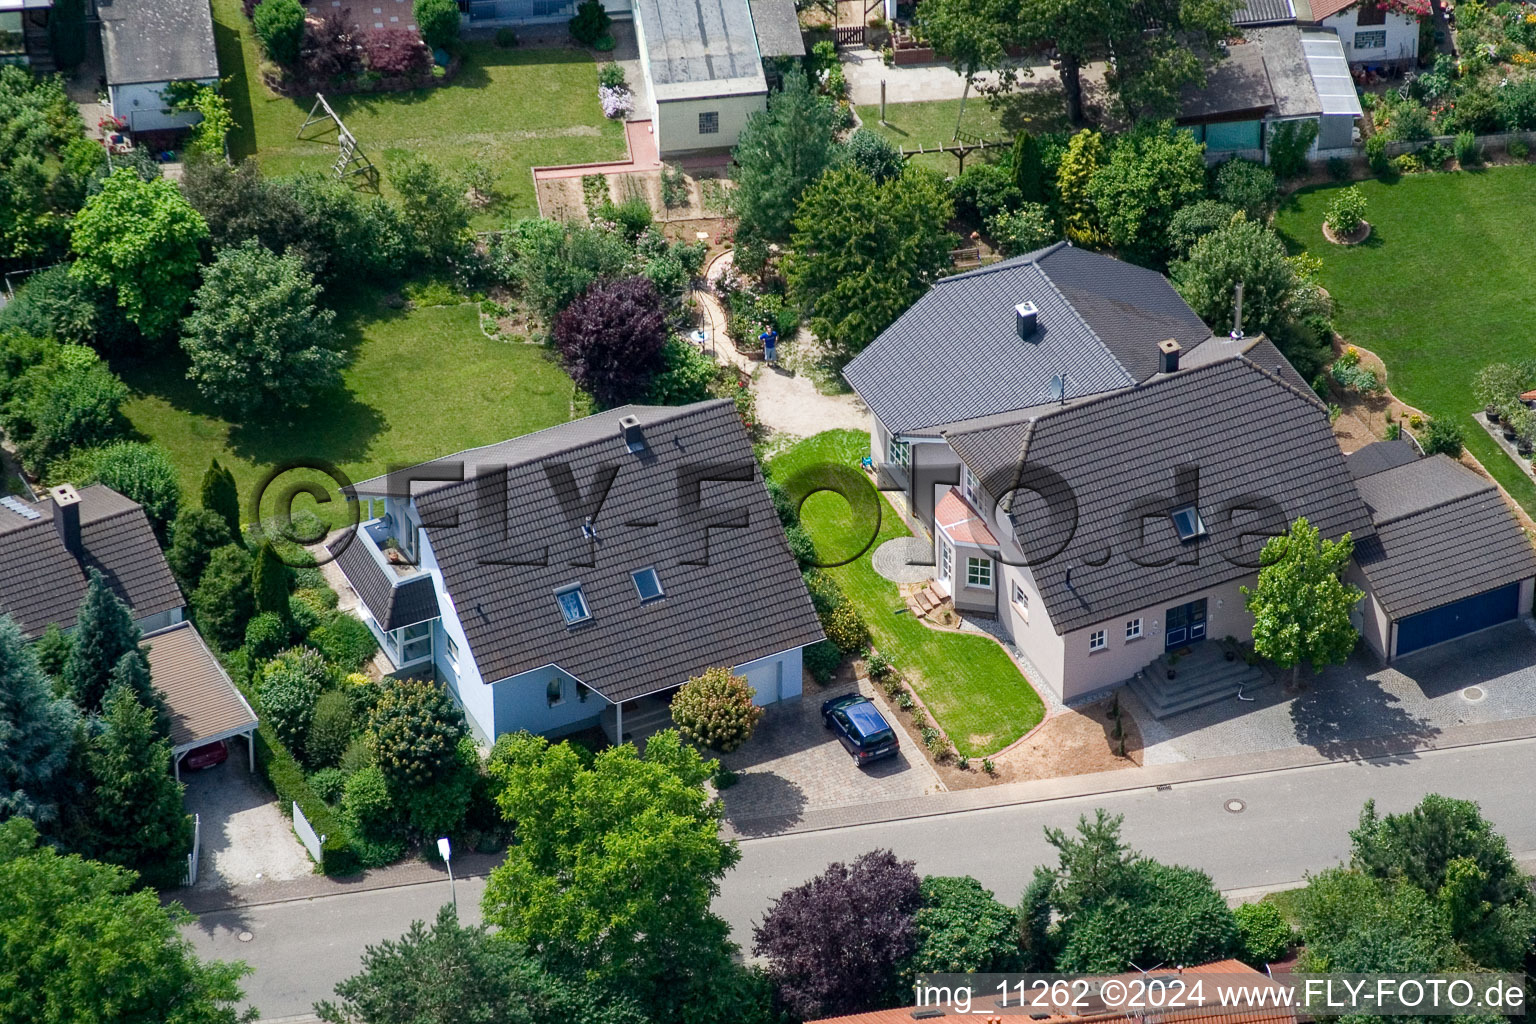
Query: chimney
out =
(66, 517)
(1237, 313)
(1168, 356)
(629, 429)
(1026, 320)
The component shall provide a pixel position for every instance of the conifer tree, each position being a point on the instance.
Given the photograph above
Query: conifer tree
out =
(36, 732)
(104, 632)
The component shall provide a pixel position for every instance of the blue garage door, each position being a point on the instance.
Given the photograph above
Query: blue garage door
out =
(1458, 618)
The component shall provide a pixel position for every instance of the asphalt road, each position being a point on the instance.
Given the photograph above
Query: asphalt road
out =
(1291, 822)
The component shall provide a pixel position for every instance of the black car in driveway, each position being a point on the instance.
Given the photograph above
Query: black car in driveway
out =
(860, 727)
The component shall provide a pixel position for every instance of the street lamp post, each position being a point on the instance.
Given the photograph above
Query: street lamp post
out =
(445, 851)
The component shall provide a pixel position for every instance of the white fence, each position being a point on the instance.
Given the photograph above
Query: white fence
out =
(307, 835)
(197, 837)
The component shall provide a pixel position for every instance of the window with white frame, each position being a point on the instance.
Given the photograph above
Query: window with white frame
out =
(573, 604)
(978, 572)
(969, 485)
(1133, 629)
(899, 452)
(709, 122)
(451, 649)
(1020, 596)
(1097, 641)
(1373, 40)
(648, 584)
(946, 561)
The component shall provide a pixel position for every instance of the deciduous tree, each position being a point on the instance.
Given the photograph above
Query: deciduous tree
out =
(258, 337)
(1244, 251)
(1300, 605)
(610, 339)
(36, 733)
(638, 825)
(104, 632)
(962, 928)
(1152, 170)
(972, 34)
(438, 21)
(144, 472)
(142, 240)
(862, 252)
(779, 153)
(280, 27)
(835, 944)
(450, 972)
(416, 728)
(79, 941)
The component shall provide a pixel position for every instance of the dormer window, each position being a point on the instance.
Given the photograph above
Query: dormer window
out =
(648, 584)
(573, 604)
(1186, 520)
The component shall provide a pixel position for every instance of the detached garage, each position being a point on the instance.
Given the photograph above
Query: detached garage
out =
(1448, 559)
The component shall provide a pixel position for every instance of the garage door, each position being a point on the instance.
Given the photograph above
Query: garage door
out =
(1458, 618)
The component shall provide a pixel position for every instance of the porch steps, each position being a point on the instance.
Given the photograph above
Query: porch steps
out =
(1203, 676)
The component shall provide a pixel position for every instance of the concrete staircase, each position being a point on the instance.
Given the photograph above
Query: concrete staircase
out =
(1202, 676)
(926, 602)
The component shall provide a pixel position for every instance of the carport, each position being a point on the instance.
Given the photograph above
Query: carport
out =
(1447, 560)
(205, 706)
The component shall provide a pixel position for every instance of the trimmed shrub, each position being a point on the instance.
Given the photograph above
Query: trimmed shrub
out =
(359, 755)
(983, 192)
(328, 784)
(438, 22)
(195, 535)
(1195, 221)
(800, 545)
(716, 709)
(330, 729)
(590, 23)
(280, 27)
(874, 154)
(303, 616)
(345, 641)
(265, 635)
(845, 629)
(611, 75)
(1346, 211)
(1263, 932)
(1443, 438)
(822, 660)
(368, 804)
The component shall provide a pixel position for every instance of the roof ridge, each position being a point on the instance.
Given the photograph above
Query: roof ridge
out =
(681, 411)
(1151, 382)
(1483, 491)
(1308, 394)
(1028, 259)
(1086, 326)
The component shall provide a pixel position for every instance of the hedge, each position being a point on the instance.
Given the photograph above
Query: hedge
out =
(286, 777)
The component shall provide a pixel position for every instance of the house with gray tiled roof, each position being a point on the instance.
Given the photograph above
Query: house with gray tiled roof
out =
(1114, 512)
(575, 577)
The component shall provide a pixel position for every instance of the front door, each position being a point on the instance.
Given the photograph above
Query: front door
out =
(1184, 624)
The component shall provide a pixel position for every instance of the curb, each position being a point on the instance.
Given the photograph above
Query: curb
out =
(1129, 779)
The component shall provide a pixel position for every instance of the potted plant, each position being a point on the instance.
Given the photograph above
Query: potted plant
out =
(1491, 412)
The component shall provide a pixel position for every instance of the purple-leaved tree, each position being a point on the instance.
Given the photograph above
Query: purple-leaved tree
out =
(610, 339)
(834, 944)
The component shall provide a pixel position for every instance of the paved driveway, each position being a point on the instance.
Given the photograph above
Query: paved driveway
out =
(793, 764)
(245, 839)
(1349, 709)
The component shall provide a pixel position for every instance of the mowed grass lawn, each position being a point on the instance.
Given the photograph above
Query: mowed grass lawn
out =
(507, 109)
(970, 684)
(421, 383)
(1444, 286)
(931, 123)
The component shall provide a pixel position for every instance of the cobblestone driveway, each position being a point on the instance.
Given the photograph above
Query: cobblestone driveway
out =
(794, 764)
(1349, 710)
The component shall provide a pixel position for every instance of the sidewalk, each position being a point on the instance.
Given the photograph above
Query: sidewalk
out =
(198, 901)
(1159, 776)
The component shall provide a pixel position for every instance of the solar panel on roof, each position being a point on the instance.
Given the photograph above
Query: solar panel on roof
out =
(20, 507)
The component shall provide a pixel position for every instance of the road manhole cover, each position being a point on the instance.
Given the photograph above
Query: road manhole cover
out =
(246, 936)
(1234, 806)
(1473, 694)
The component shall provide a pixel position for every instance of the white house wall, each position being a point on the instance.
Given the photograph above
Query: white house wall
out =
(1402, 37)
(677, 121)
(461, 674)
(774, 678)
(143, 107)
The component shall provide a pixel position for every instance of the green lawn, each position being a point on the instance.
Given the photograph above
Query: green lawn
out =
(422, 383)
(1443, 287)
(969, 683)
(507, 109)
(932, 123)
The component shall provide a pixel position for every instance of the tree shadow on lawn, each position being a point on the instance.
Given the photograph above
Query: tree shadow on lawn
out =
(338, 427)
